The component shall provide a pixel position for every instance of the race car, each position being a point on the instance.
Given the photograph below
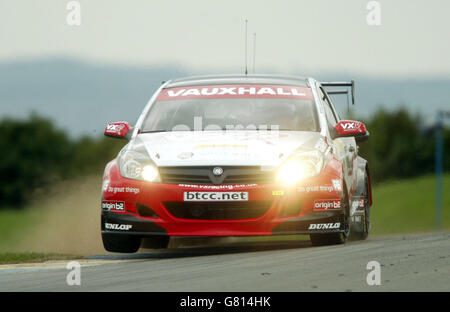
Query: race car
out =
(236, 155)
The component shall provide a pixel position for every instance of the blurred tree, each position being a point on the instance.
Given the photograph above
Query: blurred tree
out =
(34, 153)
(91, 155)
(398, 148)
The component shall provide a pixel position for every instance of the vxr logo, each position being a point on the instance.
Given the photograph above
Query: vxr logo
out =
(114, 128)
(349, 126)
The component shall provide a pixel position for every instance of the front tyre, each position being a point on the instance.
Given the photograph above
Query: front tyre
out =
(331, 238)
(119, 243)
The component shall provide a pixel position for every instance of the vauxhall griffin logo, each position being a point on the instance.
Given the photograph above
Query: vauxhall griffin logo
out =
(217, 171)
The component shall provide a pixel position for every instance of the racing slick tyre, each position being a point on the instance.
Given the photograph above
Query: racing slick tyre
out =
(124, 244)
(329, 238)
(321, 239)
(362, 231)
(156, 242)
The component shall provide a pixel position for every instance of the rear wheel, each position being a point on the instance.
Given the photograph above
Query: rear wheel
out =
(363, 229)
(320, 239)
(124, 244)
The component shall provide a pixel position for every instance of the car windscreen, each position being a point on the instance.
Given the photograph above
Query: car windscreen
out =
(241, 108)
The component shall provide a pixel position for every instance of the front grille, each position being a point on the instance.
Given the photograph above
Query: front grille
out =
(204, 175)
(218, 211)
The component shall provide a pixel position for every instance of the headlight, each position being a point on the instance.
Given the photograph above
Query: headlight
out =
(138, 166)
(302, 166)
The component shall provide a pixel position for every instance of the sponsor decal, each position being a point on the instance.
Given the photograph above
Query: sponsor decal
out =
(235, 91)
(277, 193)
(324, 226)
(337, 185)
(326, 204)
(316, 188)
(346, 126)
(115, 206)
(215, 196)
(117, 129)
(120, 227)
(114, 128)
(124, 189)
(358, 203)
(217, 187)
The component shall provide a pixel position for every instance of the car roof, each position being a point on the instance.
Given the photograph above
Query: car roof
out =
(238, 79)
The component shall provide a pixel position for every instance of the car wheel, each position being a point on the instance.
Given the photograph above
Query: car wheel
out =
(124, 244)
(363, 231)
(321, 239)
(331, 238)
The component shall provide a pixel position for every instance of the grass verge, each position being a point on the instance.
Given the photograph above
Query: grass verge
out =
(32, 257)
(408, 206)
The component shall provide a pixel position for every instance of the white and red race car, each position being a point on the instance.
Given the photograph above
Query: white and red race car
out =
(236, 155)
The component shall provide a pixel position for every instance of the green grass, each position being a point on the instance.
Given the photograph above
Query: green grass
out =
(14, 225)
(32, 257)
(407, 206)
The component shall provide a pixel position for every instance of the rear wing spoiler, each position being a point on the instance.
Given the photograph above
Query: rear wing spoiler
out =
(350, 85)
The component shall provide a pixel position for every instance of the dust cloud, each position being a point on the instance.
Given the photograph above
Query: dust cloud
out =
(69, 219)
(69, 222)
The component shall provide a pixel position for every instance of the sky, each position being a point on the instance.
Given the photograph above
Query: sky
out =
(331, 36)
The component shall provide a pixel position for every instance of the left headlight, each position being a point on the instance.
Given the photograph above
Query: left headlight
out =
(301, 166)
(138, 166)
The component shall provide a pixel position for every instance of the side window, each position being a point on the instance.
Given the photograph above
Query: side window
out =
(331, 118)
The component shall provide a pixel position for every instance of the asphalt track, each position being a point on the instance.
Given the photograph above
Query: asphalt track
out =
(419, 262)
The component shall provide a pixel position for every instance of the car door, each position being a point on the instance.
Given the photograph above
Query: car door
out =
(345, 147)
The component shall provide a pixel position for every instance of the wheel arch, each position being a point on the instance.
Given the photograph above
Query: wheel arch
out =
(363, 174)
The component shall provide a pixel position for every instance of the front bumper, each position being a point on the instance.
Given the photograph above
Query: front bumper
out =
(147, 209)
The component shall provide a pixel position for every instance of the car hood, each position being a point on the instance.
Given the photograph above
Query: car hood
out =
(225, 148)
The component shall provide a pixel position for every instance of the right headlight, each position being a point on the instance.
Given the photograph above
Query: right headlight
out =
(302, 166)
(138, 166)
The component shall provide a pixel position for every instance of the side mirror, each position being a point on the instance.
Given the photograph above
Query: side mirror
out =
(350, 128)
(119, 130)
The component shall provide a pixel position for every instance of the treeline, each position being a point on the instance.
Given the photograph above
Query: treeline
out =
(400, 146)
(35, 154)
